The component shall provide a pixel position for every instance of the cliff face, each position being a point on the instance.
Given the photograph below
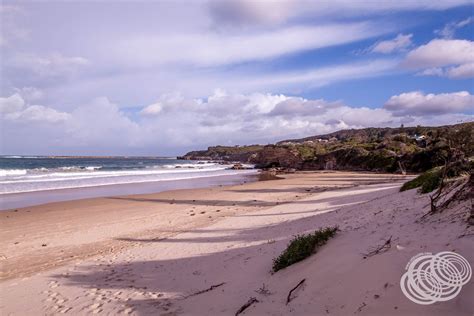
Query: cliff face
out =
(277, 156)
(341, 159)
(413, 149)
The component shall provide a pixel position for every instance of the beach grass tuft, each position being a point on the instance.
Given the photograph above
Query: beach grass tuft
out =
(303, 246)
(427, 181)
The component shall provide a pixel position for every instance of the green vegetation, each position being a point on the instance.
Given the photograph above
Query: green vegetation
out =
(308, 152)
(303, 246)
(235, 149)
(405, 149)
(431, 179)
(427, 181)
(228, 153)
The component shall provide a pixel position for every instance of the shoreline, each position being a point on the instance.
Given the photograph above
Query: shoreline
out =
(34, 198)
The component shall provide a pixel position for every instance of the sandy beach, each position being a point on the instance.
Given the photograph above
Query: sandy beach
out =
(208, 251)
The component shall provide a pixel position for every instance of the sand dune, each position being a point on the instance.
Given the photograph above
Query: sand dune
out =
(149, 254)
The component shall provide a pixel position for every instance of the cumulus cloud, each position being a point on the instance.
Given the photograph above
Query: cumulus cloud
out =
(458, 72)
(302, 107)
(220, 105)
(11, 104)
(30, 93)
(14, 108)
(399, 43)
(441, 52)
(38, 113)
(418, 104)
(258, 117)
(461, 72)
(175, 124)
(450, 29)
(97, 126)
(443, 57)
(101, 122)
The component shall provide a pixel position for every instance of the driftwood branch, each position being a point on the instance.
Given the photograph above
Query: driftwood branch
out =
(289, 298)
(206, 290)
(435, 197)
(465, 191)
(249, 303)
(402, 170)
(380, 249)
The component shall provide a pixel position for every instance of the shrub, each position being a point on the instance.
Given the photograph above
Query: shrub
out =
(427, 181)
(303, 246)
(431, 179)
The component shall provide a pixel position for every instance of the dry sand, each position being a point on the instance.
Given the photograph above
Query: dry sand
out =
(147, 254)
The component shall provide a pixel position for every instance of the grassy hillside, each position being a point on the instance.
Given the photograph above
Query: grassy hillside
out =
(414, 149)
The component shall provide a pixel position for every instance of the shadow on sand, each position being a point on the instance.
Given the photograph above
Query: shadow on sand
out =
(145, 285)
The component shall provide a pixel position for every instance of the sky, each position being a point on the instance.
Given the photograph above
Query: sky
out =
(165, 77)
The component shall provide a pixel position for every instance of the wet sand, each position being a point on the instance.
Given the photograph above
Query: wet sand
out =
(17, 200)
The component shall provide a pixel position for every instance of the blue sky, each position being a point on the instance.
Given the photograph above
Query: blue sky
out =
(162, 77)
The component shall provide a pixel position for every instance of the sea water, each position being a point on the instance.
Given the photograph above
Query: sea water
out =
(19, 174)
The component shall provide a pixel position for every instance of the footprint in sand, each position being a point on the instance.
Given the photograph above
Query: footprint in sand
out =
(128, 311)
(56, 299)
(96, 308)
(65, 310)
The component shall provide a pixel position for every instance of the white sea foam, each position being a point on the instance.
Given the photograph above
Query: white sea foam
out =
(16, 181)
(12, 172)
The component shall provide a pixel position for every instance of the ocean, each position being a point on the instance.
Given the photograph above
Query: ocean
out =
(20, 174)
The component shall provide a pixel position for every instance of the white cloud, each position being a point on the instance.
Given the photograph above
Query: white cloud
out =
(441, 52)
(101, 123)
(432, 72)
(450, 29)
(443, 57)
(458, 72)
(461, 72)
(11, 104)
(302, 107)
(399, 43)
(52, 65)
(152, 109)
(38, 113)
(245, 12)
(326, 75)
(14, 108)
(418, 104)
(210, 49)
(225, 118)
(30, 93)
(182, 124)
(197, 84)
